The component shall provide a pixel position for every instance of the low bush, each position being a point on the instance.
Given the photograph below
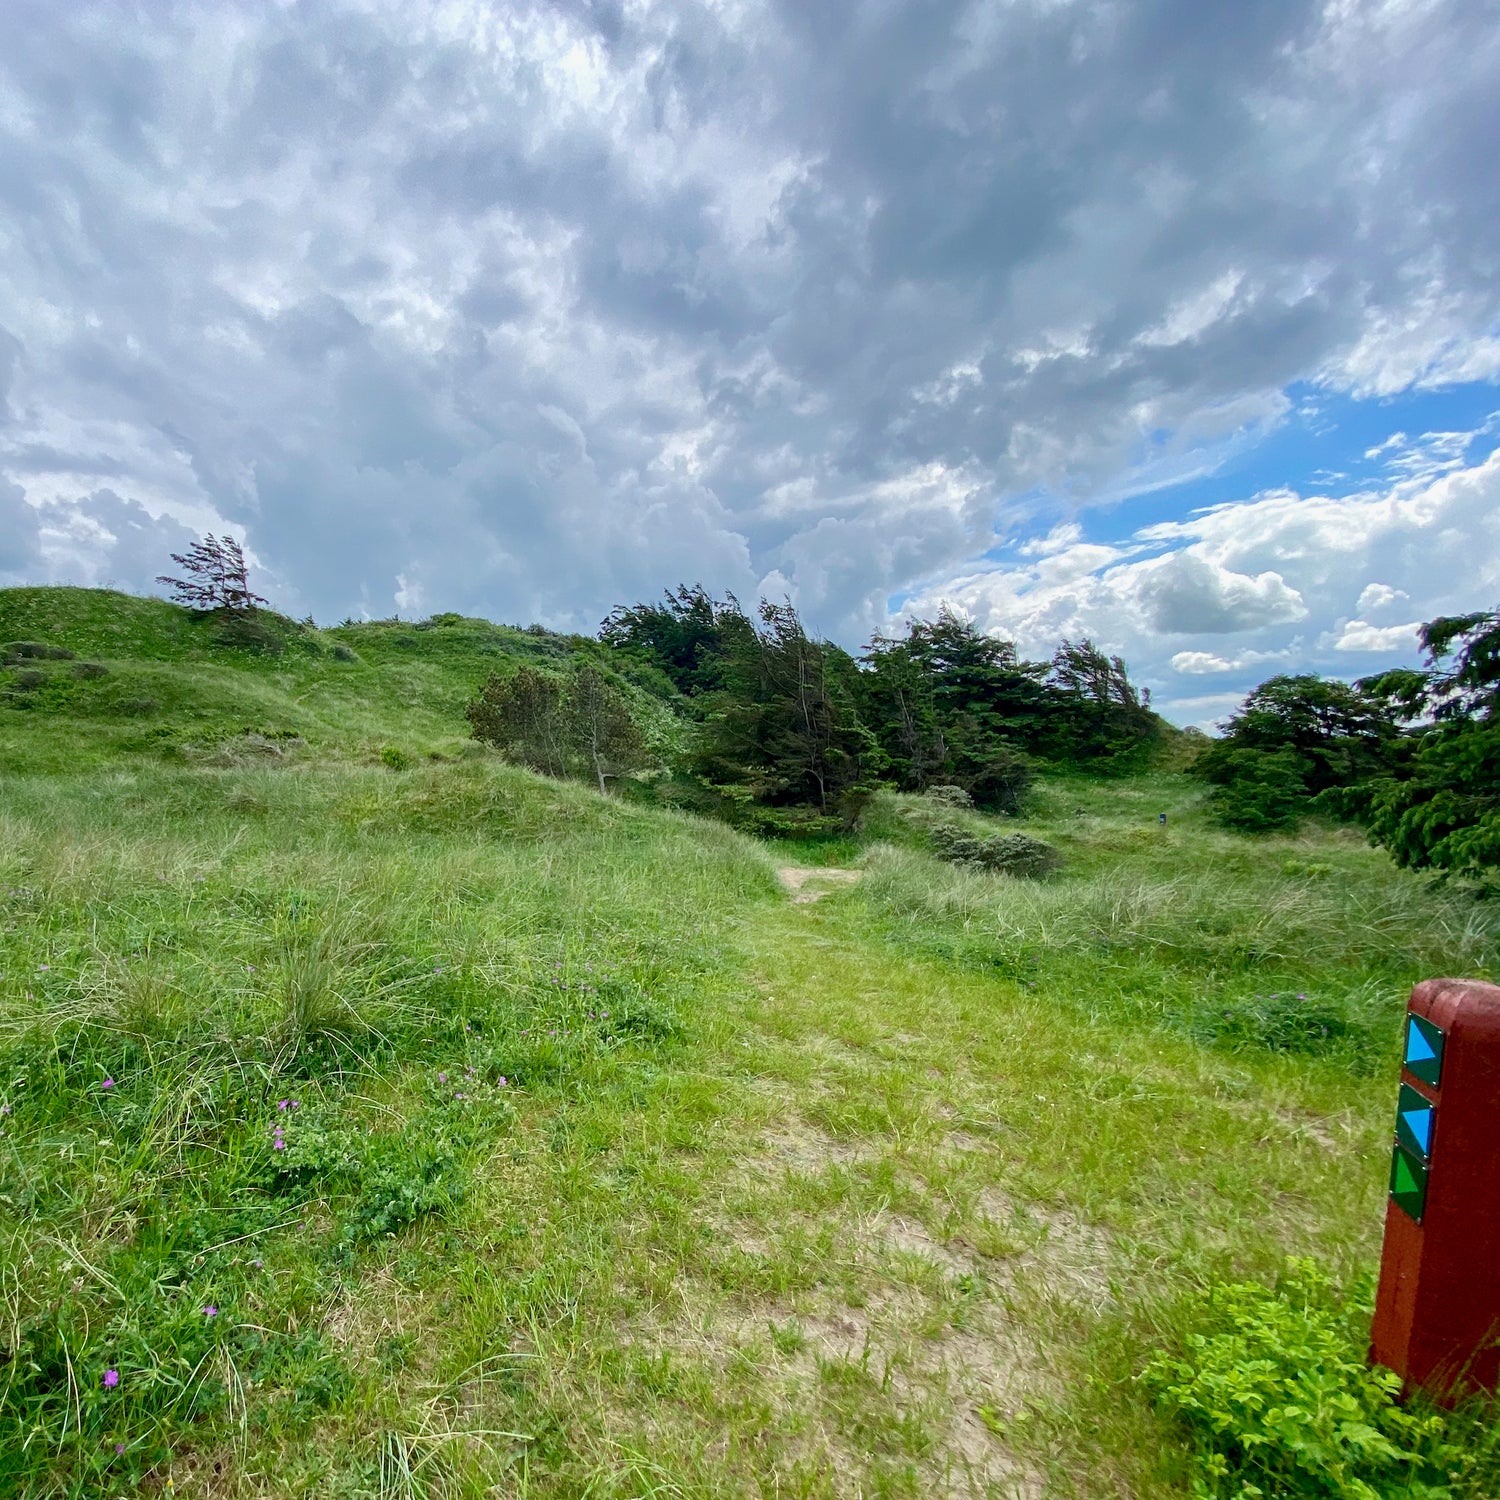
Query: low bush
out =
(19, 651)
(89, 669)
(1274, 1392)
(949, 796)
(29, 680)
(1006, 853)
(396, 759)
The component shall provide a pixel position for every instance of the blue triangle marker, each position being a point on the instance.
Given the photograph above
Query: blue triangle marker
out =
(1419, 1122)
(1418, 1048)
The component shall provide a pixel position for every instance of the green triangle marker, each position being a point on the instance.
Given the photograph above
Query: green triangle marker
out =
(1408, 1183)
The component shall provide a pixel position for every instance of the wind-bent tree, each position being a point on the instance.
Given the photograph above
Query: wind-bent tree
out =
(688, 636)
(1441, 810)
(784, 730)
(217, 577)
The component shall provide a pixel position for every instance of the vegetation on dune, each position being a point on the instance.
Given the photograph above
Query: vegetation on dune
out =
(380, 1118)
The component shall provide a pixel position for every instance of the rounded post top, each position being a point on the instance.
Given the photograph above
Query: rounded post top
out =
(1444, 1001)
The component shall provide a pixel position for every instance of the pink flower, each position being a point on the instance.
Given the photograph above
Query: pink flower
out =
(210, 1311)
(279, 1144)
(282, 1103)
(108, 1083)
(111, 1378)
(442, 1078)
(502, 1081)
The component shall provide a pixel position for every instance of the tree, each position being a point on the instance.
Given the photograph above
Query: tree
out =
(522, 716)
(599, 727)
(1295, 738)
(1441, 809)
(688, 636)
(1099, 713)
(1340, 733)
(560, 726)
(218, 578)
(953, 704)
(783, 730)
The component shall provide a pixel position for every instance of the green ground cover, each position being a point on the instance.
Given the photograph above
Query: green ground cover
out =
(440, 1130)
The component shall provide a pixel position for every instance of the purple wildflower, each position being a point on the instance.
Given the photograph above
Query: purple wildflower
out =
(442, 1078)
(210, 1311)
(502, 1081)
(108, 1083)
(119, 1447)
(279, 1144)
(282, 1103)
(111, 1378)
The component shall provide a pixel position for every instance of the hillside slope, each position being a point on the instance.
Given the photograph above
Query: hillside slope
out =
(146, 676)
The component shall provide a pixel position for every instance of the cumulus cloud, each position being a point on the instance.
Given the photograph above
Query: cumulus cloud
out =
(529, 308)
(1435, 535)
(1187, 594)
(1356, 635)
(1376, 596)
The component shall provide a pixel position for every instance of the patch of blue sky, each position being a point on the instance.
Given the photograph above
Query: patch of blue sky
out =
(1325, 444)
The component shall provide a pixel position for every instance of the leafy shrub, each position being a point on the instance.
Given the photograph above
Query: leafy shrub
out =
(19, 651)
(87, 669)
(396, 759)
(29, 681)
(250, 630)
(949, 796)
(1016, 854)
(137, 708)
(1275, 1393)
(344, 653)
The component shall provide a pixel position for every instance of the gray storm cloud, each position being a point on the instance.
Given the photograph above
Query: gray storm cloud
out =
(527, 310)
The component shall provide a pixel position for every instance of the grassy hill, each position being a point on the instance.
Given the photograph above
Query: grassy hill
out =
(439, 1130)
(145, 676)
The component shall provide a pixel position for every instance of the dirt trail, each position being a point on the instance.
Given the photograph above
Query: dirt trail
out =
(803, 882)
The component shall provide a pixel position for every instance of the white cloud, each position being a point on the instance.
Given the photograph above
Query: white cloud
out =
(1433, 545)
(1186, 593)
(1356, 635)
(1200, 663)
(1376, 596)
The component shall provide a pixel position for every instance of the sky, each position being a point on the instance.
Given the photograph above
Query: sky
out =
(1170, 324)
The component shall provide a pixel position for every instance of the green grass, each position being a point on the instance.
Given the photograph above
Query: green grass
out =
(894, 1194)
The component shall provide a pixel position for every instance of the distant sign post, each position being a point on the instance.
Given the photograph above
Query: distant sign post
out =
(1437, 1311)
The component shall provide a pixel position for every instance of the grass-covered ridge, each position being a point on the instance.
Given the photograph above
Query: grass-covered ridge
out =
(606, 1170)
(174, 680)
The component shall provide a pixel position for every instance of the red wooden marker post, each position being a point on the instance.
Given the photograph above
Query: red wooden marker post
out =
(1437, 1312)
